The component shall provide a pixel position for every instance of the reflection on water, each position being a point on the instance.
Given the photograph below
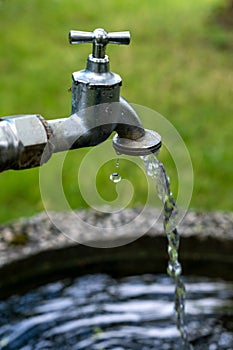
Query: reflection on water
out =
(134, 313)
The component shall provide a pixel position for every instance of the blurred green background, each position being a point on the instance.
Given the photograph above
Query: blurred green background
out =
(179, 63)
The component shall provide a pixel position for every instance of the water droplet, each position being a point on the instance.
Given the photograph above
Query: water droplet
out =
(115, 177)
(117, 163)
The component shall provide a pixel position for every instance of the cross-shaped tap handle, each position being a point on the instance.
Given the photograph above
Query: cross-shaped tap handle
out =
(99, 38)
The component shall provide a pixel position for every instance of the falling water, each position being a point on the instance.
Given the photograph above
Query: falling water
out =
(115, 177)
(155, 169)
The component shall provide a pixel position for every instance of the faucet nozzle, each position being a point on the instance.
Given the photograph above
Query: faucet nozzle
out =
(149, 143)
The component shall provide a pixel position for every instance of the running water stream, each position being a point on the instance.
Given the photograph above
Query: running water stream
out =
(156, 170)
(94, 312)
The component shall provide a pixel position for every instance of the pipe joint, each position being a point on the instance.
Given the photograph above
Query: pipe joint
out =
(22, 141)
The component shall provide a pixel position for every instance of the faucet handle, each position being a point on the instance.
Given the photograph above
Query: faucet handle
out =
(100, 38)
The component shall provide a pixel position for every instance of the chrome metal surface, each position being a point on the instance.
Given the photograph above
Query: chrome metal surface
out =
(97, 110)
(10, 146)
(94, 125)
(99, 38)
(96, 84)
(129, 124)
(22, 141)
(149, 143)
(90, 89)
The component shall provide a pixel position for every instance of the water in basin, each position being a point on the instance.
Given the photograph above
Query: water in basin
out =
(97, 312)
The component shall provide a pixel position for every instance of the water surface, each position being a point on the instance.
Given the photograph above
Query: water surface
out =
(97, 312)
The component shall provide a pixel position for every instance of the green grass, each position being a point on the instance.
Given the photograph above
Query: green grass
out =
(179, 63)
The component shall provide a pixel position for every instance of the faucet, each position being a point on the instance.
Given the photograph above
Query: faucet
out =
(27, 141)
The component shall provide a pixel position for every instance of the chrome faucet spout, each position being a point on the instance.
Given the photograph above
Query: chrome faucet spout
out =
(28, 141)
(93, 125)
(131, 137)
(129, 124)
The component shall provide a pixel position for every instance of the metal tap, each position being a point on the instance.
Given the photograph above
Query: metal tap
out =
(28, 141)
